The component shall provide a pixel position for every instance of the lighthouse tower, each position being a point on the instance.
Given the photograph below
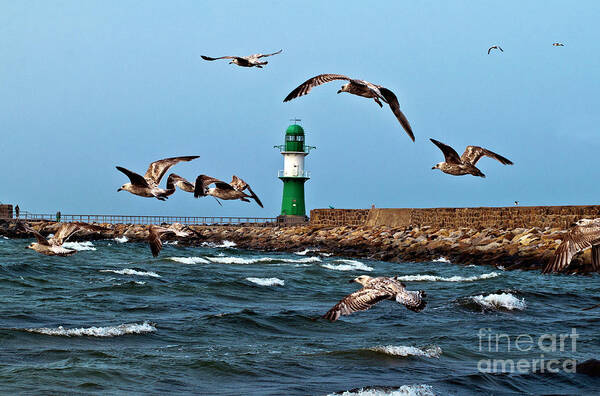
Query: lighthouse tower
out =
(293, 174)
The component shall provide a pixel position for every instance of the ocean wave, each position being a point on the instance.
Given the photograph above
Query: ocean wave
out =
(241, 260)
(441, 260)
(79, 246)
(223, 244)
(129, 271)
(404, 390)
(108, 331)
(121, 239)
(433, 278)
(5, 237)
(305, 251)
(170, 242)
(432, 351)
(349, 265)
(189, 260)
(500, 301)
(267, 281)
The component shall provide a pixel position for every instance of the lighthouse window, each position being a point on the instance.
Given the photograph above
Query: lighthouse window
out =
(300, 138)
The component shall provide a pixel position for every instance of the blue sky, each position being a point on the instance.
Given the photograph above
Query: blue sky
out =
(85, 86)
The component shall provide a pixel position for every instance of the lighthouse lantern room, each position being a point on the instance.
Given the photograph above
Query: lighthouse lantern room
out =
(293, 174)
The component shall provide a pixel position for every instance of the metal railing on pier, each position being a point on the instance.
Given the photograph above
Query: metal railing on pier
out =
(121, 219)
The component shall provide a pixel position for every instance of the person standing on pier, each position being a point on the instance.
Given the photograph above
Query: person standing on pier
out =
(58, 216)
(17, 211)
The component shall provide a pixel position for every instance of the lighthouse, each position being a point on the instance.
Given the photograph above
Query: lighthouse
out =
(293, 175)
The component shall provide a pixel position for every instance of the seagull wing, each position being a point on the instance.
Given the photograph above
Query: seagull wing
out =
(176, 180)
(490, 49)
(240, 185)
(360, 300)
(450, 155)
(154, 234)
(208, 58)
(309, 84)
(265, 55)
(578, 239)
(473, 154)
(392, 101)
(157, 169)
(67, 230)
(203, 181)
(500, 48)
(40, 238)
(135, 179)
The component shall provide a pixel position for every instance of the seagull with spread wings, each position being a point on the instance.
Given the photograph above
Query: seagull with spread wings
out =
(53, 246)
(225, 191)
(373, 291)
(156, 232)
(147, 185)
(360, 88)
(558, 45)
(495, 47)
(465, 164)
(245, 61)
(584, 235)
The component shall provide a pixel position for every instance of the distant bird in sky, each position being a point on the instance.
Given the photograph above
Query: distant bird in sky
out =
(516, 203)
(373, 291)
(147, 186)
(156, 232)
(584, 235)
(558, 44)
(465, 164)
(496, 47)
(53, 246)
(360, 88)
(225, 191)
(245, 61)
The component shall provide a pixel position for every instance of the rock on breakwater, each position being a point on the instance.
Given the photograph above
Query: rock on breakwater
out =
(513, 248)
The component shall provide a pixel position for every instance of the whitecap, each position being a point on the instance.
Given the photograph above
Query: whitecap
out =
(500, 301)
(241, 260)
(5, 237)
(432, 351)
(326, 254)
(267, 281)
(434, 278)
(441, 260)
(404, 390)
(223, 244)
(349, 265)
(121, 239)
(305, 251)
(108, 331)
(170, 242)
(79, 246)
(189, 260)
(129, 271)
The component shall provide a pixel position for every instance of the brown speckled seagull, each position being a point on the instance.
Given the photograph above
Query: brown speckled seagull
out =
(245, 61)
(584, 235)
(53, 246)
(558, 45)
(147, 185)
(373, 291)
(465, 164)
(225, 191)
(360, 88)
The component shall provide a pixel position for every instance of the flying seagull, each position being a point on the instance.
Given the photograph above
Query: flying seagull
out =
(373, 291)
(496, 47)
(147, 186)
(245, 61)
(360, 88)
(156, 232)
(176, 180)
(585, 235)
(465, 164)
(558, 45)
(225, 191)
(53, 246)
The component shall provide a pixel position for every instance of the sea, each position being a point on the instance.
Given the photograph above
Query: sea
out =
(218, 320)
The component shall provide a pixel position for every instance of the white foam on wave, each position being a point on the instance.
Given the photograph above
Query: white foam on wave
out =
(441, 260)
(129, 271)
(5, 237)
(223, 244)
(79, 246)
(400, 350)
(349, 265)
(170, 242)
(121, 239)
(267, 281)
(189, 260)
(434, 278)
(241, 260)
(500, 301)
(404, 390)
(305, 251)
(108, 331)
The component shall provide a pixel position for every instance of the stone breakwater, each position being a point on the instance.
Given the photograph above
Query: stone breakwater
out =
(515, 248)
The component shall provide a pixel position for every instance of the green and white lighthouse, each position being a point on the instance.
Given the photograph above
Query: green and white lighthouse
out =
(293, 175)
